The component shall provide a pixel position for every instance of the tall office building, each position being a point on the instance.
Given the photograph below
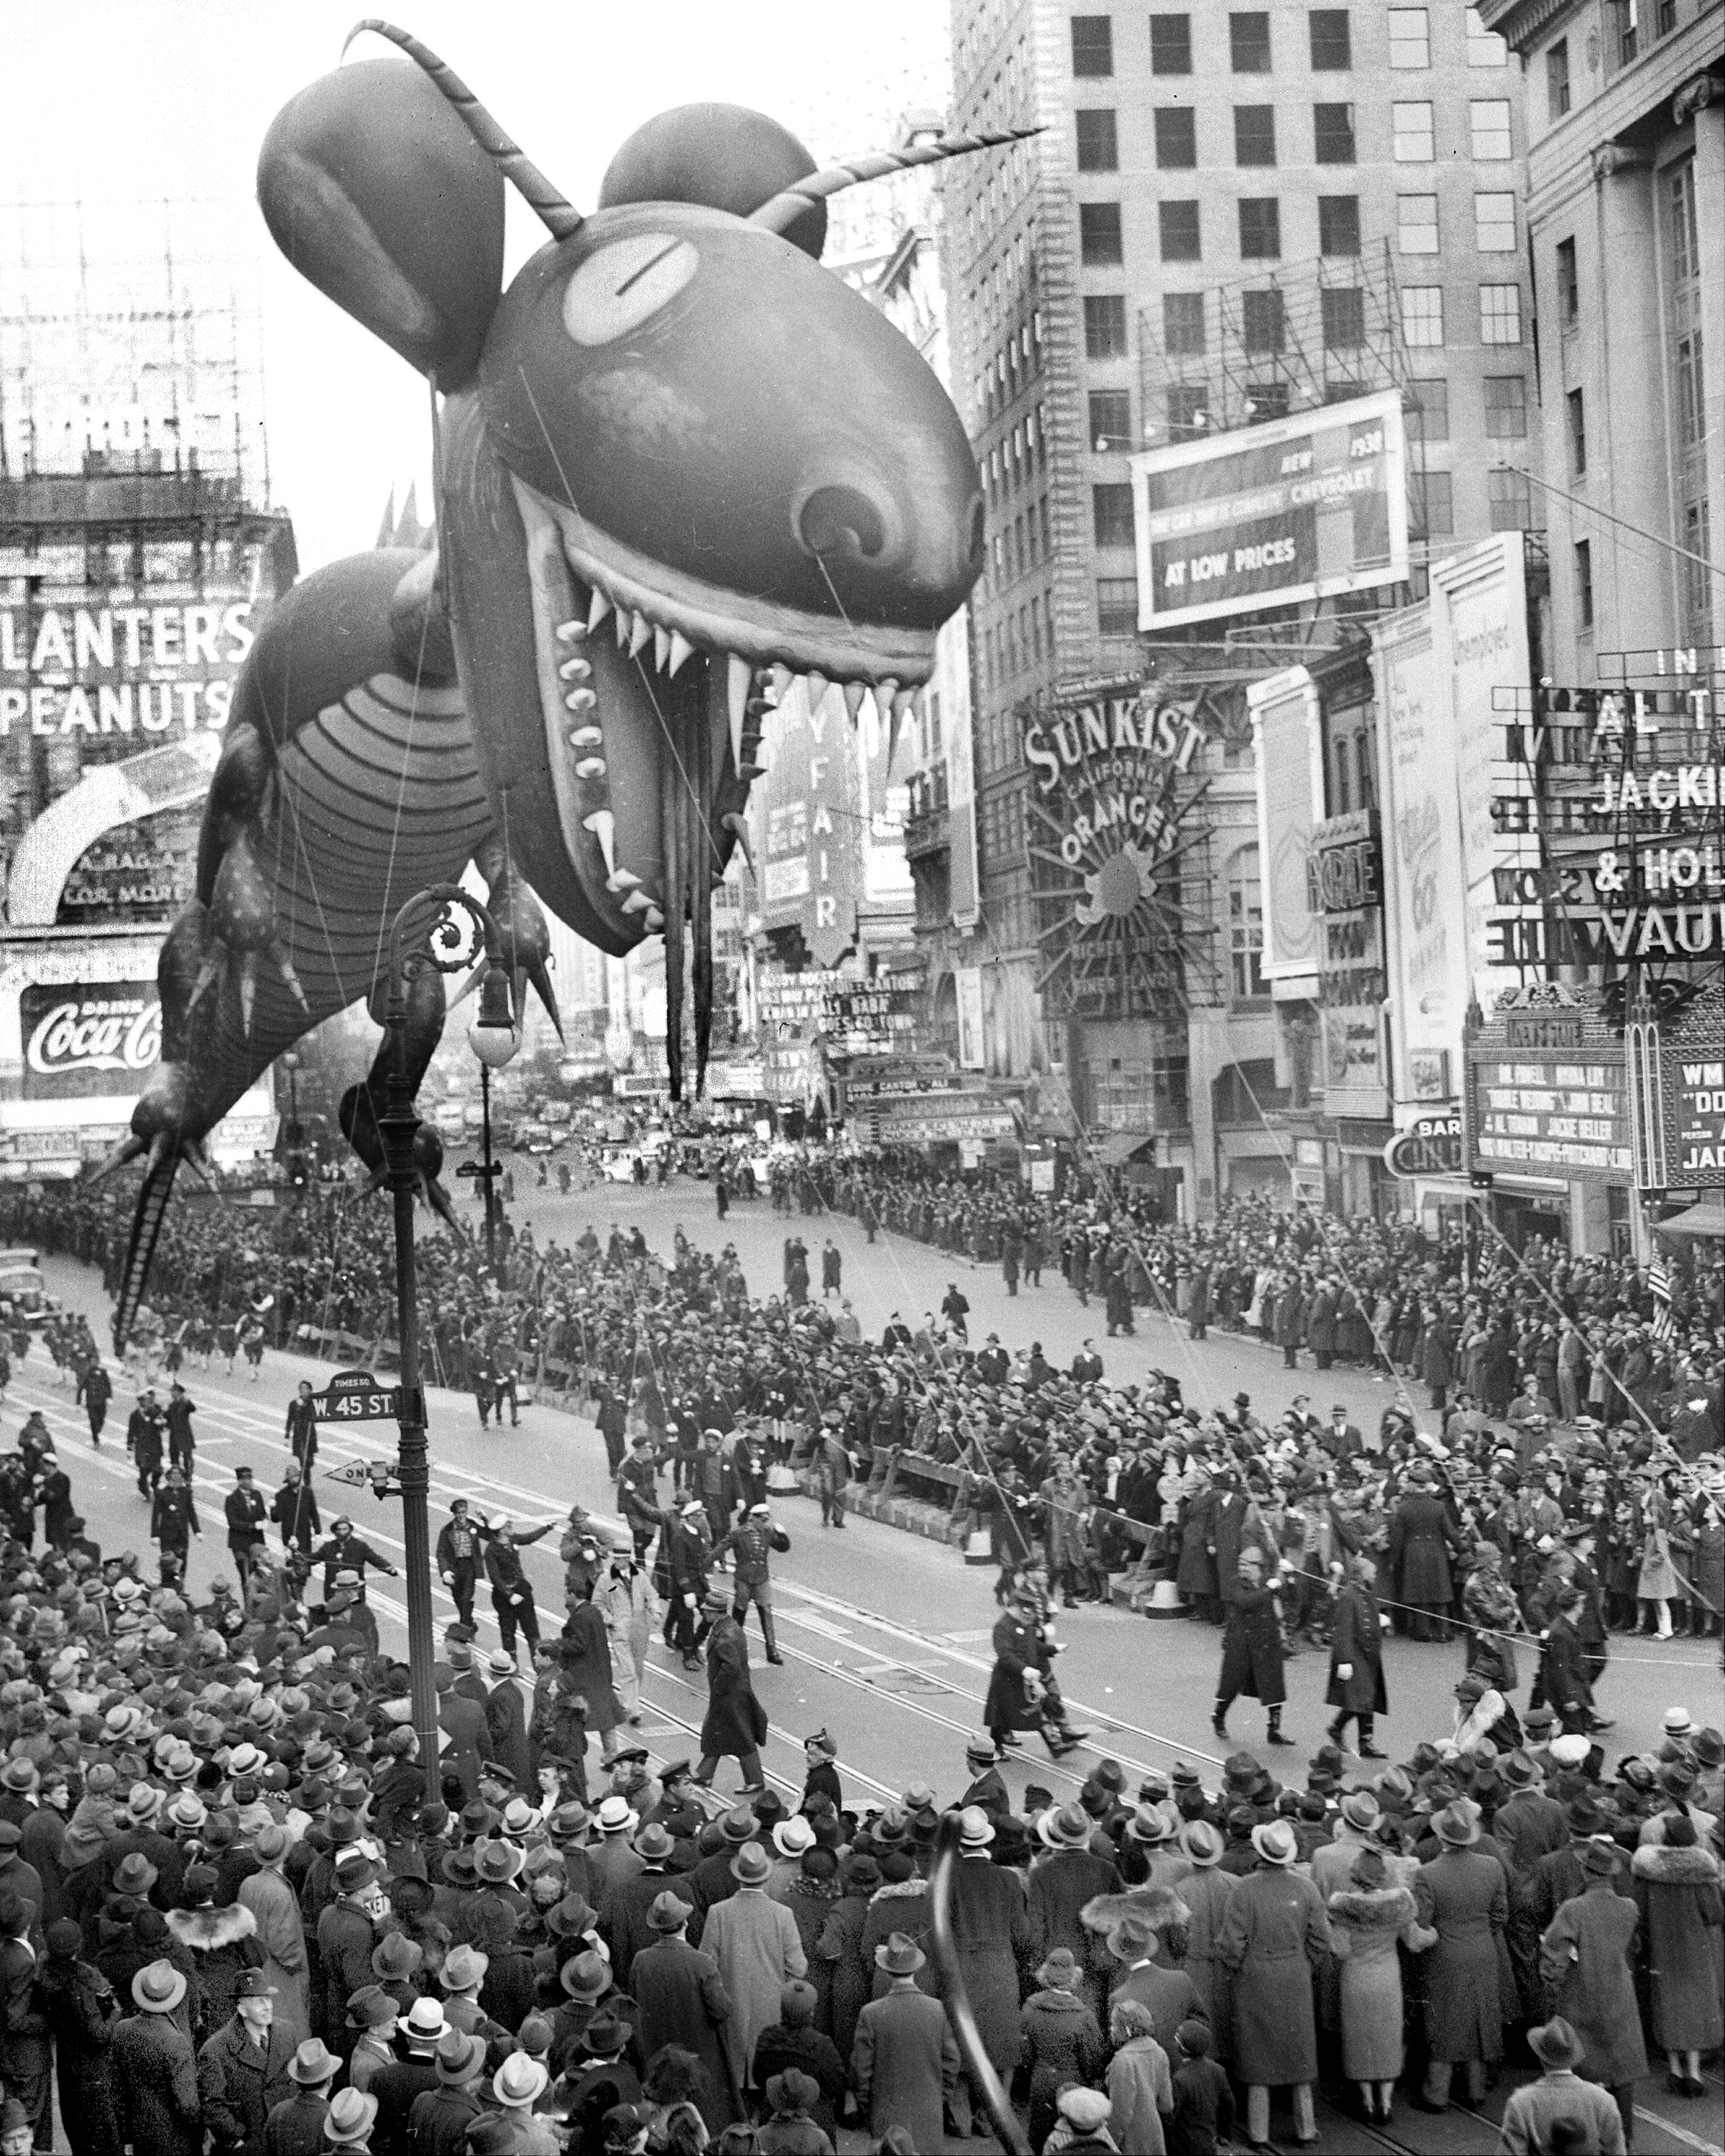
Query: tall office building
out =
(1231, 216)
(1624, 105)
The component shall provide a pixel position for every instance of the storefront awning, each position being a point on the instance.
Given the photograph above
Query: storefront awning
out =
(1708, 1218)
(1117, 1147)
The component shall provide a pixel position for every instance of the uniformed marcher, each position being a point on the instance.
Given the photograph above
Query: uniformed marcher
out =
(1251, 1649)
(346, 1551)
(1022, 1693)
(144, 1430)
(1357, 1689)
(752, 1541)
(173, 1521)
(458, 1557)
(246, 1512)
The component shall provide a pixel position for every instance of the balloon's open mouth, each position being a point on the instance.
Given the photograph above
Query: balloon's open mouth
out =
(629, 652)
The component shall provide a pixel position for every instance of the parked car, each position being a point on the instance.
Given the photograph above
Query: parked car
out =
(23, 1293)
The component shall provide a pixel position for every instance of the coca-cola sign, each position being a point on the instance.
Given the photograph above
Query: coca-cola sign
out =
(88, 1037)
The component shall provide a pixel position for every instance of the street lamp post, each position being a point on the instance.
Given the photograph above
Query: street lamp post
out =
(398, 1127)
(493, 1041)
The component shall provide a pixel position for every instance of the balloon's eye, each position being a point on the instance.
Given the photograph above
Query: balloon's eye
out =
(625, 285)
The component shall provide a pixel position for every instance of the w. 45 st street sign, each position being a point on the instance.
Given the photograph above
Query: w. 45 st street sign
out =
(355, 1396)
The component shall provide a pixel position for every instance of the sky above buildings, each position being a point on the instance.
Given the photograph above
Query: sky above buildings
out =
(119, 101)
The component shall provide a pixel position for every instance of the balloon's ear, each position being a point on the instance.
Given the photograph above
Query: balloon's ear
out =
(374, 188)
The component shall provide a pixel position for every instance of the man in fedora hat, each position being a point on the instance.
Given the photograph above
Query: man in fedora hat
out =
(243, 2069)
(156, 2105)
(348, 2123)
(683, 2000)
(904, 2064)
(294, 2128)
(1560, 2093)
(598, 2079)
(440, 2116)
(758, 1949)
(397, 2086)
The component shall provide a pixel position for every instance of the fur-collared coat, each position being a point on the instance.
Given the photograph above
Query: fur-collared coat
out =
(223, 1944)
(1677, 1892)
(1367, 1924)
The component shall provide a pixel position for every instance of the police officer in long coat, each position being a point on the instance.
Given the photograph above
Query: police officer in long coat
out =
(1251, 1649)
(1357, 1689)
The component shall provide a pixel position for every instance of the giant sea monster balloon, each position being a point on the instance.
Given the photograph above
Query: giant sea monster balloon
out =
(677, 463)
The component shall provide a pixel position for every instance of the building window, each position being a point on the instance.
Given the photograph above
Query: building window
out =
(1105, 326)
(1409, 38)
(1508, 500)
(1338, 224)
(1261, 321)
(1333, 134)
(1490, 118)
(1697, 578)
(1665, 19)
(1111, 420)
(1177, 224)
(1434, 505)
(1332, 47)
(1416, 224)
(1266, 400)
(1092, 45)
(1692, 422)
(1575, 407)
(1254, 134)
(1584, 583)
(1259, 228)
(1500, 314)
(1628, 31)
(1249, 44)
(1176, 138)
(1413, 139)
(1557, 81)
(1183, 323)
(1344, 318)
(1098, 143)
(1429, 411)
(1170, 45)
(1111, 513)
(1117, 606)
(1245, 924)
(1505, 407)
(1569, 286)
(1494, 223)
(1099, 234)
(1484, 48)
(1423, 314)
(1188, 412)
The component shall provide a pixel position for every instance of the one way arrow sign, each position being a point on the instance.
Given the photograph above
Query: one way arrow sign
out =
(354, 1471)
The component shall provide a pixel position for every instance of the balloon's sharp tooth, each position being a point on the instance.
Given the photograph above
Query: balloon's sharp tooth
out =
(574, 670)
(637, 902)
(853, 693)
(599, 605)
(571, 632)
(588, 737)
(661, 647)
(591, 767)
(622, 880)
(740, 675)
(656, 919)
(580, 700)
(680, 648)
(639, 631)
(817, 686)
(783, 678)
(603, 823)
(884, 691)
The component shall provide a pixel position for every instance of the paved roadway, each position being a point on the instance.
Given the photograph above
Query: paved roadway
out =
(886, 1635)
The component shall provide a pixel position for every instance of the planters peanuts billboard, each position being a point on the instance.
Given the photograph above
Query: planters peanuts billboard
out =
(1295, 510)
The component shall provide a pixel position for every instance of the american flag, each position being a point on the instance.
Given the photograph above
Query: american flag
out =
(1659, 1285)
